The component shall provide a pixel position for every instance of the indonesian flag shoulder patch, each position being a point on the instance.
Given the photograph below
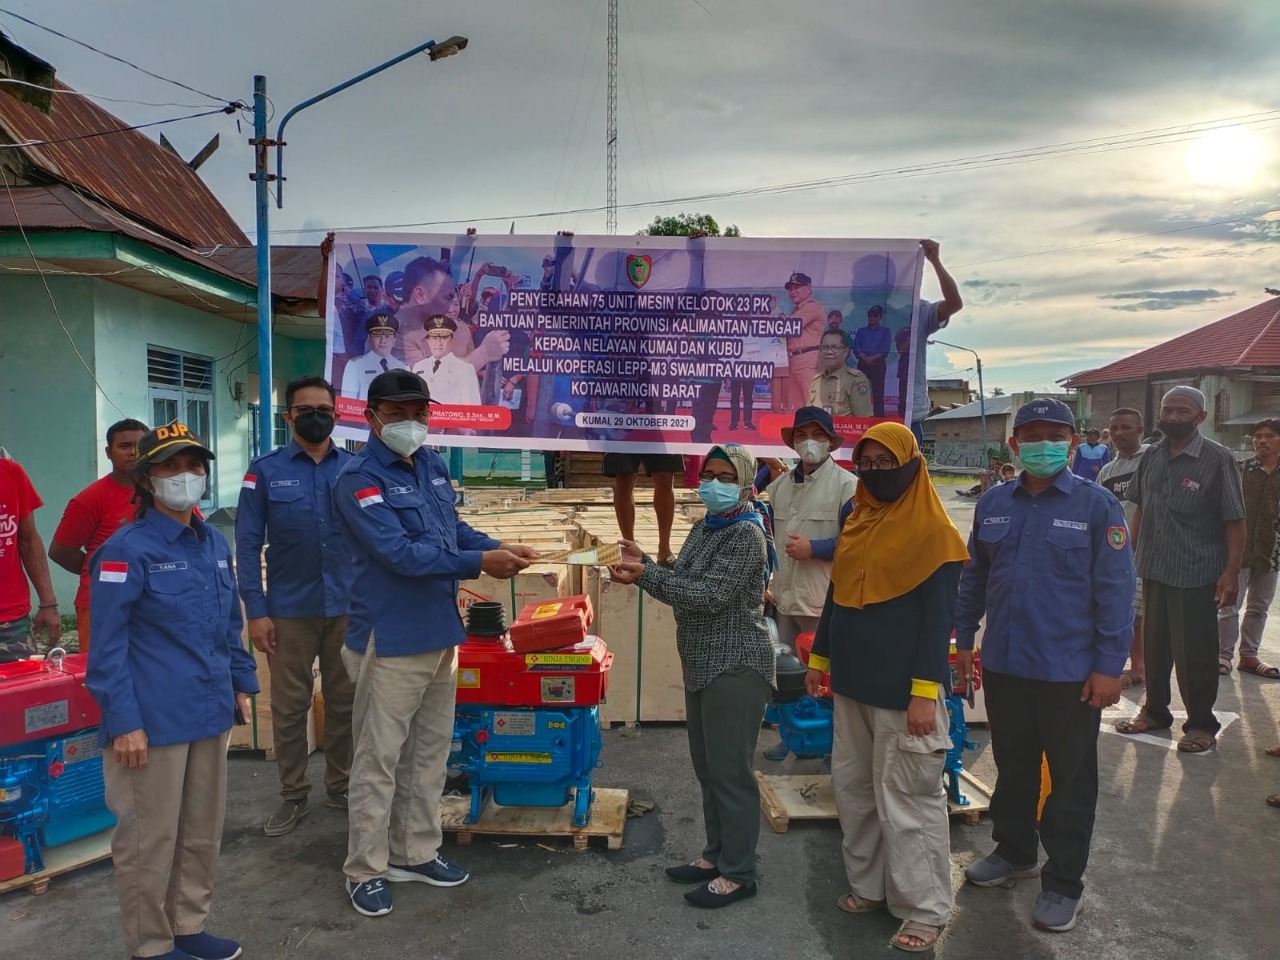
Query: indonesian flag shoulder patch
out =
(113, 571)
(250, 482)
(368, 496)
(1117, 537)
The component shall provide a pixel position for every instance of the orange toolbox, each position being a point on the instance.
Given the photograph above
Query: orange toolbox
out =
(551, 625)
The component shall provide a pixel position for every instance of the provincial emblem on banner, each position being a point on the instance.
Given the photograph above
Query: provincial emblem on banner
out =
(639, 269)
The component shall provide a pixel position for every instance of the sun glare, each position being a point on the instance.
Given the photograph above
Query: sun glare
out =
(1229, 157)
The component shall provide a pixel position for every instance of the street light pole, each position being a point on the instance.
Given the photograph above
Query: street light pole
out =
(982, 394)
(262, 179)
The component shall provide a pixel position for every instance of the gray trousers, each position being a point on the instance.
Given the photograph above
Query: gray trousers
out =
(724, 723)
(791, 626)
(1257, 590)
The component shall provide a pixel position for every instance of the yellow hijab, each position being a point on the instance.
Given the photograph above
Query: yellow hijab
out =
(888, 549)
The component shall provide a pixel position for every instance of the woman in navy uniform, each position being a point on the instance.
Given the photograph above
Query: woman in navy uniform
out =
(170, 672)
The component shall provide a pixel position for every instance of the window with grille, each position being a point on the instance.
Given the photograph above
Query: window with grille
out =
(180, 387)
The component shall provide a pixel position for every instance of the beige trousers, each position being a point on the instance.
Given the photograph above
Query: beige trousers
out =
(402, 730)
(893, 809)
(166, 840)
(299, 642)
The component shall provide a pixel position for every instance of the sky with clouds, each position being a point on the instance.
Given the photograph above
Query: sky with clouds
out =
(933, 119)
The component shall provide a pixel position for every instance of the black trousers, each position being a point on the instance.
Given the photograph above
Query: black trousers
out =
(1180, 632)
(1029, 718)
(704, 411)
(741, 392)
(875, 373)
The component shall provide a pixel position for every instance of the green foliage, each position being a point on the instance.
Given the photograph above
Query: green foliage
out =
(685, 224)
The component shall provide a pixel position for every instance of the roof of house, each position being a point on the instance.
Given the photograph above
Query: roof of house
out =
(295, 271)
(1250, 338)
(82, 145)
(996, 407)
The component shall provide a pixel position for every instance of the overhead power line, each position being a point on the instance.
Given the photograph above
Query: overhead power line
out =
(105, 133)
(68, 92)
(112, 56)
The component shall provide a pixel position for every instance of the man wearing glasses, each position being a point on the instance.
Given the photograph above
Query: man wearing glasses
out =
(286, 502)
(409, 551)
(838, 389)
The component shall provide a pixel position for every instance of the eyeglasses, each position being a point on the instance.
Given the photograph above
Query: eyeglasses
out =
(862, 465)
(302, 409)
(732, 478)
(386, 418)
(830, 349)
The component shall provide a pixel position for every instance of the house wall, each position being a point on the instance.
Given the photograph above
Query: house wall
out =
(54, 420)
(1106, 397)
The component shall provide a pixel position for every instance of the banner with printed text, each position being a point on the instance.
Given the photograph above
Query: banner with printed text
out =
(627, 344)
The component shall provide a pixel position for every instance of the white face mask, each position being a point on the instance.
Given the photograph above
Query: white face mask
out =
(404, 437)
(181, 492)
(813, 451)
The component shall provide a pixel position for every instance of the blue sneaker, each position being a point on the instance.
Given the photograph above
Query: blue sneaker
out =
(371, 898)
(438, 872)
(205, 946)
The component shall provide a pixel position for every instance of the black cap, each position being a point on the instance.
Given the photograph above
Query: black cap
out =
(381, 320)
(799, 280)
(875, 309)
(440, 322)
(398, 386)
(815, 415)
(158, 445)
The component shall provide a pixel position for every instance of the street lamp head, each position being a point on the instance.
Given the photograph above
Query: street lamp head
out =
(447, 48)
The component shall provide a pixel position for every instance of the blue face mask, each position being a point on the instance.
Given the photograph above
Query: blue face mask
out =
(1044, 458)
(719, 497)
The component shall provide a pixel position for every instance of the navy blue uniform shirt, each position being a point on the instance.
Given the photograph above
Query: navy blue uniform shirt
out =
(410, 551)
(167, 655)
(286, 501)
(1054, 575)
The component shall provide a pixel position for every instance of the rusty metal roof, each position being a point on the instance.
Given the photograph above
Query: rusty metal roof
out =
(295, 271)
(125, 169)
(1250, 338)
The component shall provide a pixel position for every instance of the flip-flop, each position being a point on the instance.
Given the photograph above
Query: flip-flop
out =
(1140, 724)
(852, 903)
(921, 931)
(1273, 751)
(1197, 743)
(1260, 669)
(1129, 680)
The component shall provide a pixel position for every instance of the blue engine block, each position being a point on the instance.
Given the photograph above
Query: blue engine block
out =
(527, 756)
(804, 724)
(51, 792)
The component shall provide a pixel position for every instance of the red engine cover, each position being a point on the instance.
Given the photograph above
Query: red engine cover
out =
(37, 700)
(491, 672)
(551, 625)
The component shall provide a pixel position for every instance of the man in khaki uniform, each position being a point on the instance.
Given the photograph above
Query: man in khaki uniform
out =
(839, 390)
(790, 388)
(810, 504)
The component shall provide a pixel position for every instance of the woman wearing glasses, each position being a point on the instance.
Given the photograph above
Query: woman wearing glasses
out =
(884, 637)
(716, 589)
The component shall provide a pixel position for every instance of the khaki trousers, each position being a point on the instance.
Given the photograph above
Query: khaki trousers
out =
(299, 642)
(166, 840)
(402, 729)
(893, 809)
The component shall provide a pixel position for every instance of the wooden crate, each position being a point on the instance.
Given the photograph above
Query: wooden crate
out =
(536, 583)
(62, 859)
(645, 683)
(787, 798)
(608, 820)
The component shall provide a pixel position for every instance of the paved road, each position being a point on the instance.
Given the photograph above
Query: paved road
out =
(1184, 867)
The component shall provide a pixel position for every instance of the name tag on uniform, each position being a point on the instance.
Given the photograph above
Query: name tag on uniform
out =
(1071, 524)
(168, 567)
(222, 564)
(395, 490)
(1190, 484)
(438, 480)
(989, 521)
(285, 483)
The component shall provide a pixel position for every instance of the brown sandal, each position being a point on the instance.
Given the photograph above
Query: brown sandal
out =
(920, 931)
(1197, 742)
(1273, 800)
(852, 903)
(1140, 724)
(1273, 751)
(1260, 669)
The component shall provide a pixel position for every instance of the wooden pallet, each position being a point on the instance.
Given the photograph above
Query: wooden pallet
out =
(62, 859)
(608, 818)
(787, 798)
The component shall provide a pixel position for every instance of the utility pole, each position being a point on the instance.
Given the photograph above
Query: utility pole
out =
(262, 203)
(611, 127)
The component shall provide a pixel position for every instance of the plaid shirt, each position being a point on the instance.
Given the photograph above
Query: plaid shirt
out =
(1262, 516)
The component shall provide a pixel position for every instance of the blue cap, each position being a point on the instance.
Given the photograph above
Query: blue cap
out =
(815, 415)
(1046, 409)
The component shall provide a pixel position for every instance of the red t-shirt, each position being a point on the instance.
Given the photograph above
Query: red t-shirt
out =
(18, 500)
(93, 515)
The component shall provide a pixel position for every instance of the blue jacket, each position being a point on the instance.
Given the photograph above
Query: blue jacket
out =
(1054, 575)
(286, 501)
(167, 654)
(410, 551)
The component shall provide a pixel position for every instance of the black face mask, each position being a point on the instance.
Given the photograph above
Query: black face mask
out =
(313, 427)
(888, 485)
(1177, 429)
